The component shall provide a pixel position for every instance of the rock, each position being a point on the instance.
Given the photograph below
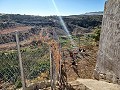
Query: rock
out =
(109, 77)
(95, 75)
(115, 79)
(109, 45)
(102, 76)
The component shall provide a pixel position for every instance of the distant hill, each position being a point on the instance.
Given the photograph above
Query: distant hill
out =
(29, 26)
(94, 13)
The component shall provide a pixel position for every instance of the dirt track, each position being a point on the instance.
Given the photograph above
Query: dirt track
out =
(10, 30)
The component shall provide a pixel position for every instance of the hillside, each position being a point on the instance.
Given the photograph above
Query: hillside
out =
(94, 13)
(36, 35)
(29, 26)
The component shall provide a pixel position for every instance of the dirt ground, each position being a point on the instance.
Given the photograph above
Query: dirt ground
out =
(85, 63)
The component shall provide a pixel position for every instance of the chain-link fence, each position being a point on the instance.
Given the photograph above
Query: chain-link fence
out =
(9, 66)
(24, 63)
(35, 64)
(9, 70)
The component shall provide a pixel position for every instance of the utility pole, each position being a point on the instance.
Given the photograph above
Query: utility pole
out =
(20, 61)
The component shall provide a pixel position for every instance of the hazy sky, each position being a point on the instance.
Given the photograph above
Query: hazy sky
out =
(46, 7)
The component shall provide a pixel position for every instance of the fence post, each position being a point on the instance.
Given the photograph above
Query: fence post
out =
(51, 68)
(79, 40)
(60, 63)
(20, 61)
(54, 75)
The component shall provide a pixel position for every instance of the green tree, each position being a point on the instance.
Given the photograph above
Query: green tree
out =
(96, 34)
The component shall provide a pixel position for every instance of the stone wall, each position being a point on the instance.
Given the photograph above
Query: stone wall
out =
(108, 61)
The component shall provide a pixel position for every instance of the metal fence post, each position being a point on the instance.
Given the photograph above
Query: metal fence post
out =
(20, 61)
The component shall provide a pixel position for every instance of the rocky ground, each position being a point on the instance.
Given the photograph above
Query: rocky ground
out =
(85, 63)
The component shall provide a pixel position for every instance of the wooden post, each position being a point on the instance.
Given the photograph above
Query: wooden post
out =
(79, 40)
(20, 61)
(51, 69)
(54, 74)
(60, 63)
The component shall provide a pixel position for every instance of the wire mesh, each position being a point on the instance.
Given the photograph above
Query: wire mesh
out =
(9, 70)
(35, 59)
(35, 62)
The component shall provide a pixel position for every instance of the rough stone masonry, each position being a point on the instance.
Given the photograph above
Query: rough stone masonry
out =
(108, 61)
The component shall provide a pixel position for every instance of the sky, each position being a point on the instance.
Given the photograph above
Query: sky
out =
(47, 8)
